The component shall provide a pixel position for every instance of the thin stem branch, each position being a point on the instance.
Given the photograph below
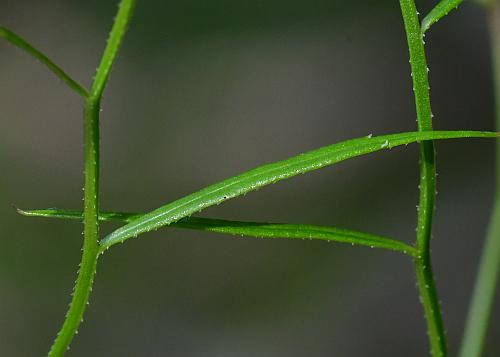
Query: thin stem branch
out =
(19, 42)
(423, 267)
(122, 19)
(478, 317)
(88, 264)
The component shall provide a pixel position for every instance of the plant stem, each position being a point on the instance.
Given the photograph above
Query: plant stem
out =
(91, 232)
(58, 71)
(487, 278)
(423, 267)
(430, 302)
(90, 254)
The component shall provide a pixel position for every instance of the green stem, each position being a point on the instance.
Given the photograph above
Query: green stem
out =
(423, 266)
(483, 295)
(430, 302)
(24, 45)
(88, 264)
(90, 254)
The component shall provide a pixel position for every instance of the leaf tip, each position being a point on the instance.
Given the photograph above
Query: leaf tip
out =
(17, 209)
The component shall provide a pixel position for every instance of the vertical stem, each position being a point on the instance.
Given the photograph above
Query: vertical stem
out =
(423, 267)
(91, 232)
(487, 278)
(87, 270)
(430, 302)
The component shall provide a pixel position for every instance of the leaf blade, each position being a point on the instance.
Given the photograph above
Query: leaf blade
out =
(438, 12)
(250, 229)
(271, 173)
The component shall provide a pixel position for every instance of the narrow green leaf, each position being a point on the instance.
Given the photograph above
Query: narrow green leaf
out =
(77, 215)
(250, 229)
(438, 12)
(271, 173)
(22, 44)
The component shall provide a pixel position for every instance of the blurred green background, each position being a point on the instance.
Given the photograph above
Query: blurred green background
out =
(203, 90)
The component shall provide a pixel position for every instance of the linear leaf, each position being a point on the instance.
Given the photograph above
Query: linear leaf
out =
(251, 229)
(24, 45)
(438, 12)
(271, 173)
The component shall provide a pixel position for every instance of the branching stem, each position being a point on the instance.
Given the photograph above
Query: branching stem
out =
(19, 42)
(88, 264)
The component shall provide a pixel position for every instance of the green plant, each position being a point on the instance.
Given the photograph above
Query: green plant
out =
(178, 213)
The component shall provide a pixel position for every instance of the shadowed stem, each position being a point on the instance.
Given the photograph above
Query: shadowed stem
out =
(423, 268)
(483, 296)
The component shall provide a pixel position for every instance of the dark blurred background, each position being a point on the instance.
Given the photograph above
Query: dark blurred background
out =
(203, 90)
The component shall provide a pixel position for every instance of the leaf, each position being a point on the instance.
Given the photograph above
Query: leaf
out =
(250, 229)
(271, 173)
(439, 11)
(77, 215)
(22, 44)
